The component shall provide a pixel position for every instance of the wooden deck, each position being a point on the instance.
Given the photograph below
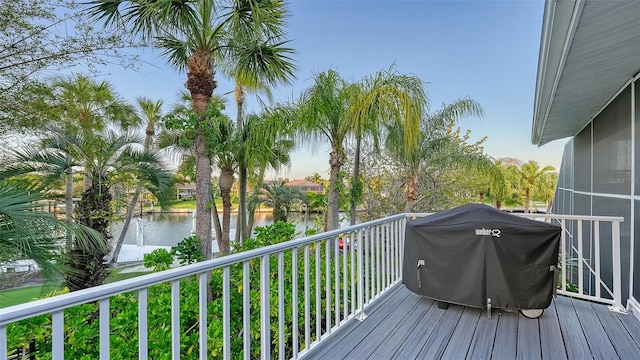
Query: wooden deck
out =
(403, 325)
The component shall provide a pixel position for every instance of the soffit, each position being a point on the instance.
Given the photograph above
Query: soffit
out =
(589, 51)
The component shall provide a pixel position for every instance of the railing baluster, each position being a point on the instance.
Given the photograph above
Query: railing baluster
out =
(281, 338)
(226, 317)
(318, 299)
(246, 309)
(563, 255)
(105, 316)
(385, 256)
(57, 335)
(327, 279)
(617, 281)
(294, 301)
(345, 275)
(265, 317)
(307, 299)
(3, 342)
(580, 259)
(336, 278)
(175, 320)
(596, 230)
(352, 296)
(360, 276)
(378, 257)
(203, 291)
(143, 344)
(365, 242)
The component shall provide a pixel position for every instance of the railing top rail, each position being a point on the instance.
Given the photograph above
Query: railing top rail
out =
(60, 302)
(571, 217)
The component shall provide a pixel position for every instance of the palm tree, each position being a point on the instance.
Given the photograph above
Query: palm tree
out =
(385, 98)
(530, 172)
(26, 231)
(81, 106)
(323, 116)
(193, 35)
(280, 197)
(151, 113)
(269, 65)
(434, 144)
(103, 158)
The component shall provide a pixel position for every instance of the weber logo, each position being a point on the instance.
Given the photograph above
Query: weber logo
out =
(492, 232)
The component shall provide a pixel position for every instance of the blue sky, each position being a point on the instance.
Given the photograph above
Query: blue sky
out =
(486, 50)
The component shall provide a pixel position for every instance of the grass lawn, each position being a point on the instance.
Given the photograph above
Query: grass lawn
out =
(25, 294)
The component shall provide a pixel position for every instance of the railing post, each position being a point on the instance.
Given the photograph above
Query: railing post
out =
(226, 317)
(361, 316)
(105, 315)
(3, 342)
(617, 269)
(265, 316)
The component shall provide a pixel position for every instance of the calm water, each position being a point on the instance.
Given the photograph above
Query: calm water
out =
(169, 229)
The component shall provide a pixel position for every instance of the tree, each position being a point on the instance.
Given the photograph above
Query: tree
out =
(280, 197)
(192, 36)
(530, 172)
(385, 98)
(26, 231)
(102, 159)
(268, 136)
(323, 116)
(434, 143)
(41, 36)
(151, 113)
(266, 64)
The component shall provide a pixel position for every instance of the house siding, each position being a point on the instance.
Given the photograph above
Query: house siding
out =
(599, 176)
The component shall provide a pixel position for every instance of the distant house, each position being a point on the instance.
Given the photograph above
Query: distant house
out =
(186, 191)
(306, 186)
(588, 90)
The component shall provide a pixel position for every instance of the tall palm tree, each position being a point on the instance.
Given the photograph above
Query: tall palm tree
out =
(433, 144)
(151, 114)
(193, 35)
(323, 116)
(530, 172)
(270, 65)
(384, 98)
(82, 106)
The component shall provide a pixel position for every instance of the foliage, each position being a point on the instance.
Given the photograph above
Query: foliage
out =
(27, 231)
(188, 250)
(86, 262)
(81, 327)
(280, 197)
(158, 259)
(41, 36)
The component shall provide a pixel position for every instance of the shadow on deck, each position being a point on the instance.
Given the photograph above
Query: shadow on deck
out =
(403, 325)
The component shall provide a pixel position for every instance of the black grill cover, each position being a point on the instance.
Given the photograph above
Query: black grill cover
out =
(474, 252)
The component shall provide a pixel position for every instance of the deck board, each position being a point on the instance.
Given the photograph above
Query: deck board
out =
(403, 325)
(483, 338)
(550, 335)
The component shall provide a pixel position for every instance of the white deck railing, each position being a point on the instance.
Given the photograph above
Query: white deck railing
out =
(334, 286)
(582, 257)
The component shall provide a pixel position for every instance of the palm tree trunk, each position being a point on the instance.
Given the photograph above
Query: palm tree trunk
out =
(411, 191)
(242, 171)
(225, 183)
(252, 210)
(127, 221)
(132, 205)
(216, 222)
(68, 203)
(333, 220)
(241, 233)
(527, 199)
(203, 195)
(356, 189)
